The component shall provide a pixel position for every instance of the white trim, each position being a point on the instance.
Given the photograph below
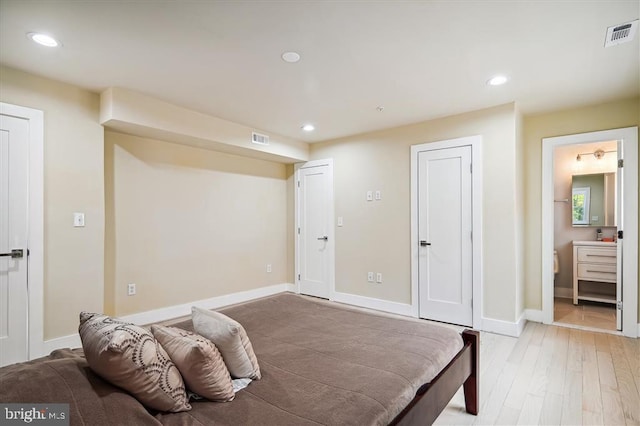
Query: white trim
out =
(372, 303)
(533, 315)
(477, 201)
(35, 266)
(331, 244)
(177, 311)
(562, 292)
(629, 138)
(507, 328)
(71, 341)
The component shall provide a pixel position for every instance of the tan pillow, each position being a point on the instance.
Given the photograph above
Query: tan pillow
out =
(199, 362)
(230, 339)
(130, 357)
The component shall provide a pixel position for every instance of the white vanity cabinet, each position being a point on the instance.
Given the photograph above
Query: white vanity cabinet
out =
(594, 261)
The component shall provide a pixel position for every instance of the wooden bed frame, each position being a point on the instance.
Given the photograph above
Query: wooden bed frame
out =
(433, 397)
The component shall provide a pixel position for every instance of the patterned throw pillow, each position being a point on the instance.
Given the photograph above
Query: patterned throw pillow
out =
(130, 357)
(199, 362)
(231, 340)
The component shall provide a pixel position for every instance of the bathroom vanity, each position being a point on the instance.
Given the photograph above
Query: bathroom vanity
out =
(594, 261)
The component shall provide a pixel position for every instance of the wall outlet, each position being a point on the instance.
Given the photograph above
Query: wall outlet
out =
(131, 289)
(78, 220)
(268, 267)
(370, 277)
(379, 277)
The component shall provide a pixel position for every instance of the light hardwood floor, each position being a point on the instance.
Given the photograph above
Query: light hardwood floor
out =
(554, 376)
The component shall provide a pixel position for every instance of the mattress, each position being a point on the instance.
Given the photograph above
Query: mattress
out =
(321, 363)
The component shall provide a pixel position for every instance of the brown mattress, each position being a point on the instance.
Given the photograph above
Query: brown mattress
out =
(321, 362)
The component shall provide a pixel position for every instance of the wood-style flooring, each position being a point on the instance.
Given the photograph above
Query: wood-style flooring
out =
(554, 376)
(585, 314)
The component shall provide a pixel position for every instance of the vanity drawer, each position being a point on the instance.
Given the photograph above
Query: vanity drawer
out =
(596, 272)
(597, 255)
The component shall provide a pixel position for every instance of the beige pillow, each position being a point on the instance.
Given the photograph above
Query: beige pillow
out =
(130, 357)
(230, 339)
(199, 362)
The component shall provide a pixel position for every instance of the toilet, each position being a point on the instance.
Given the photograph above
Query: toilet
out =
(556, 263)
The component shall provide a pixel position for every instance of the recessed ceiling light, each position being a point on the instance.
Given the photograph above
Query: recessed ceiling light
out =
(497, 80)
(44, 39)
(308, 127)
(291, 57)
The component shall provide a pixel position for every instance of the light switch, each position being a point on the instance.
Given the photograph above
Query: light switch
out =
(369, 195)
(378, 195)
(78, 220)
(379, 277)
(339, 220)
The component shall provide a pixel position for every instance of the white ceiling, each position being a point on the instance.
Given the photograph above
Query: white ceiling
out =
(417, 59)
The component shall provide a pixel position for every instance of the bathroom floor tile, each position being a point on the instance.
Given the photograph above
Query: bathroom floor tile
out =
(587, 314)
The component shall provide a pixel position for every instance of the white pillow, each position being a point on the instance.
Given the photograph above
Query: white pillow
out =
(231, 340)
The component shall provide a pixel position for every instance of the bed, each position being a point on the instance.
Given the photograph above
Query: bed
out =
(321, 362)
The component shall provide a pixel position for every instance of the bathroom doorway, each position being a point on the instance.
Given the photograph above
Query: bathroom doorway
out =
(584, 236)
(575, 211)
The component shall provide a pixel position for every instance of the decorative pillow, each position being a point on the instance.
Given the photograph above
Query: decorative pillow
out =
(129, 356)
(231, 340)
(199, 362)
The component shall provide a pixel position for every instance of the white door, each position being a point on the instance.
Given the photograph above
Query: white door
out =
(14, 151)
(315, 229)
(444, 234)
(619, 223)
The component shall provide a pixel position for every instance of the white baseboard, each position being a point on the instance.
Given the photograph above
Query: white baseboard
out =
(507, 328)
(70, 341)
(372, 303)
(534, 315)
(184, 309)
(163, 314)
(563, 292)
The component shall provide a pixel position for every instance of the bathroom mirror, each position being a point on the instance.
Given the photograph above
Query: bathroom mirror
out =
(593, 199)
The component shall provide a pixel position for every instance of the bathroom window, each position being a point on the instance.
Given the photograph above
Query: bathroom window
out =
(580, 205)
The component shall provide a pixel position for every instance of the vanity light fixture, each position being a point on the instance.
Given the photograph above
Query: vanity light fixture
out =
(43, 39)
(598, 154)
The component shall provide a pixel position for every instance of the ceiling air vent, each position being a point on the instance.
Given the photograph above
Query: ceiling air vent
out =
(621, 33)
(259, 139)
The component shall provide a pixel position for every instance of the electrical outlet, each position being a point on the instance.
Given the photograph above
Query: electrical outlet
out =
(370, 277)
(268, 267)
(131, 289)
(78, 220)
(379, 277)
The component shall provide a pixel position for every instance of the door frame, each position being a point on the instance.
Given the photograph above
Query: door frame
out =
(35, 237)
(331, 243)
(629, 138)
(475, 142)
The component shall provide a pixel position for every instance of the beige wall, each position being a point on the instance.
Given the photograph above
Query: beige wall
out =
(186, 224)
(624, 113)
(74, 182)
(376, 235)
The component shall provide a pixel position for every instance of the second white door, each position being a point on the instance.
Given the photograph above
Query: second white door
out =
(14, 168)
(445, 235)
(314, 229)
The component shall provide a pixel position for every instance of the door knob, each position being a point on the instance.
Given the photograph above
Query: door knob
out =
(424, 243)
(325, 238)
(15, 254)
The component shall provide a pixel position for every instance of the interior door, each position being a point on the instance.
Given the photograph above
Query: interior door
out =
(444, 234)
(13, 238)
(620, 223)
(315, 233)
